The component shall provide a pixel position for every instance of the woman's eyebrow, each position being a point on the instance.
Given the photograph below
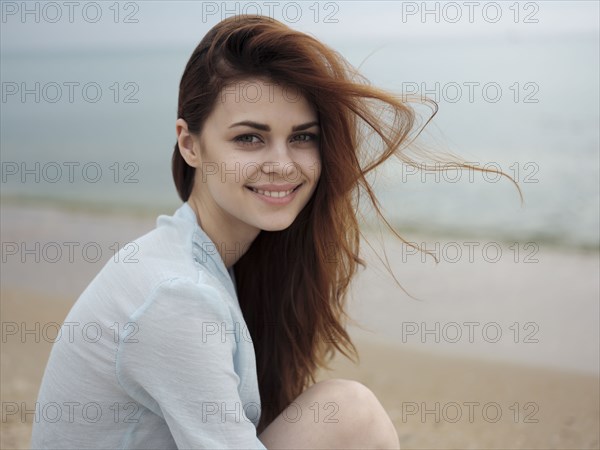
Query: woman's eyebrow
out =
(306, 125)
(264, 127)
(249, 123)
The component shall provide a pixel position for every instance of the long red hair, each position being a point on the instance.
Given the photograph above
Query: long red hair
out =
(292, 284)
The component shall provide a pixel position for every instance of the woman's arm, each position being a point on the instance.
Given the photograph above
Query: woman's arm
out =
(182, 372)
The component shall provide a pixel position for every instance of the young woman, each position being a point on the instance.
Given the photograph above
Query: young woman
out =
(211, 337)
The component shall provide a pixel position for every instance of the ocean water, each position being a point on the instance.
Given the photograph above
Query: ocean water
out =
(98, 129)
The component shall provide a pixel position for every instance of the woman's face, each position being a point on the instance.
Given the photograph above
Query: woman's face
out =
(259, 159)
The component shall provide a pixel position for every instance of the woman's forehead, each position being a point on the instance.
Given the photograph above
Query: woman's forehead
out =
(261, 99)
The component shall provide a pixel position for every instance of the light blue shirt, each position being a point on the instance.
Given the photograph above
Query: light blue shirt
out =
(155, 353)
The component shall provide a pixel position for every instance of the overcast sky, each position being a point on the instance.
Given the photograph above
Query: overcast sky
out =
(82, 24)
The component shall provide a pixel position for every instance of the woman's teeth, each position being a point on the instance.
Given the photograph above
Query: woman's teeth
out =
(273, 193)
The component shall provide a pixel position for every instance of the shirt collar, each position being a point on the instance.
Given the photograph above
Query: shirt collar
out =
(205, 251)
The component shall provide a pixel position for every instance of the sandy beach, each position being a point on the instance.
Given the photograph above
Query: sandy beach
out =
(537, 387)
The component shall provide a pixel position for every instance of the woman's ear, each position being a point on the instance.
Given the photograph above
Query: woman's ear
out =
(189, 146)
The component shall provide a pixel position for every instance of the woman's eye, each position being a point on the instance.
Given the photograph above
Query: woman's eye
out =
(305, 137)
(247, 139)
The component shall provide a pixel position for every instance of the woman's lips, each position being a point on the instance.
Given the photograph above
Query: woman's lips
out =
(277, 194)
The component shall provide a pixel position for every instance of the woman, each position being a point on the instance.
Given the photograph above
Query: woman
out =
(211, 335)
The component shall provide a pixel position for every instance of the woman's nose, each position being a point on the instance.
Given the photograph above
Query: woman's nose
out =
(279, 159)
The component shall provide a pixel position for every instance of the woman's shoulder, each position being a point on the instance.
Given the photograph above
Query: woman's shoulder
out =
(165, 252)
(165, 262)
(184, 293)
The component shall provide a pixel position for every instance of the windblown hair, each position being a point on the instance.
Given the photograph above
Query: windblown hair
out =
(292, 284)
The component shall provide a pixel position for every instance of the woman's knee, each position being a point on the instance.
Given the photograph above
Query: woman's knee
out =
(356, 399)
(358, 410)
(333, 413)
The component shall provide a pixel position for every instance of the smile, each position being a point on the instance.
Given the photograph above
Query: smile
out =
(275, 194)
(276, 197)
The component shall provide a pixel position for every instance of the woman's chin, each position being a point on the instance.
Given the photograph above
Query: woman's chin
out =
(278, 225)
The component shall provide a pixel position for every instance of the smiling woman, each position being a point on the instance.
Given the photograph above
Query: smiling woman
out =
(237, 299)
(254, 156)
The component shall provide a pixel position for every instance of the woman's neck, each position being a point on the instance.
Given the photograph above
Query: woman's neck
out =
(231, 237)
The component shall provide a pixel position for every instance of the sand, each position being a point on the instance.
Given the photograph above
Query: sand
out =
(438, 395)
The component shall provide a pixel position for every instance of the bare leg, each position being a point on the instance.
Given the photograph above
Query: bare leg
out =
(331, 414)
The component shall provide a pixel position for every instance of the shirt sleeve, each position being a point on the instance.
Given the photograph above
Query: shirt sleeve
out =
(175, 364)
